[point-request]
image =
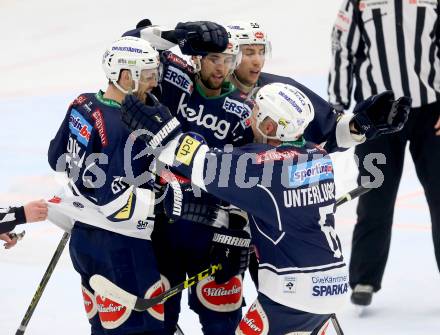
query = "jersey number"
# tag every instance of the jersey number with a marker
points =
(326, 215)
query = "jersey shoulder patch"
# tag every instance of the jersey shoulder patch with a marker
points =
(79, 126)
(238, 108)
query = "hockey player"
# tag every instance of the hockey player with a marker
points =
(338, 131)
(90, 146)
(302, 273)
(213, 110)
(210, 107)
(10, 217)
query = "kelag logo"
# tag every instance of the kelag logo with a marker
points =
(79, 127)
(310, 172)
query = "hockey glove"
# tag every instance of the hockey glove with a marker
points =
(381, 114)
(230, 248)
(159, 126)
(238, 219)
(199, 38)
(203, 209)
(143, 23)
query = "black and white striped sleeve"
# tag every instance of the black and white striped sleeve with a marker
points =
(345, 44)
(10, 217)
(437, 34)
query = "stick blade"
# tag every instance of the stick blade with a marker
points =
(108, 289)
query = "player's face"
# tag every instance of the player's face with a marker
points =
(214, 69)
(252, 62)
(147, 81)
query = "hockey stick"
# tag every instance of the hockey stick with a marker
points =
(357, 192)
(108, 289)
(336, 324)
(179, 331)
(38, 293)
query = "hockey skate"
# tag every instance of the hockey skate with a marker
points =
(361, 297)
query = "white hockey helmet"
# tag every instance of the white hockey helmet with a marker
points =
(248, 33)
(286, 105)
(132, 54)
(233, 48)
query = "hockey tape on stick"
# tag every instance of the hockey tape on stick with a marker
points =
(106, 288)
(39, 292)
(358, 191)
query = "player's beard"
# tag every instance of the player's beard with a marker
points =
(208, 83)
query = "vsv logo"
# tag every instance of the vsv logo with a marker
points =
(79, 127)
(219, 128)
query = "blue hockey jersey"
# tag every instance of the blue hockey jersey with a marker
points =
(96, 151)
(225, 119)
(289, 194)
(202, 113)
(219, 120)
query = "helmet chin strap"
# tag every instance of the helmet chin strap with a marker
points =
(196, 63)
(130, 90)
(241, 86)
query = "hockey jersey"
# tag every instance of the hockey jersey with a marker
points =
(225, 119)
(289, 194)
(219, 120)
(178, 78)
(109, 184)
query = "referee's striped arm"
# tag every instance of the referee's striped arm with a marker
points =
(397, 49)
(10, 217)
(345, 42)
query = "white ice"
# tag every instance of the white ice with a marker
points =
(51, 52)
